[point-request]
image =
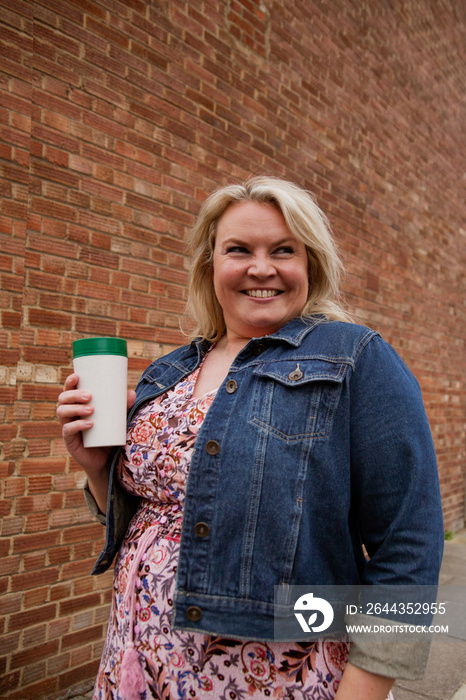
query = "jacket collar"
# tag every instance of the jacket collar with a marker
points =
(296, 330)
(292, 332)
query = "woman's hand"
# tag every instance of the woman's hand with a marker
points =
(75, 415)
(363, 685)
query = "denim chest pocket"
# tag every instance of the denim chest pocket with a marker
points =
(155, 376)
(296, 400)
(159, 378)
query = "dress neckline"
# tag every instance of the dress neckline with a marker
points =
(194, 375)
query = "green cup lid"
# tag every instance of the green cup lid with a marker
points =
(99, 346)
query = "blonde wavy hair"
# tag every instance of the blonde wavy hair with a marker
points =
(305, 221)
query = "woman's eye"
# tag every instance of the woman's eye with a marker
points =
(237, 249)
(284, 249)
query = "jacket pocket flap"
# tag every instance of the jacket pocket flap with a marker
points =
(160, 374)
(297, 372)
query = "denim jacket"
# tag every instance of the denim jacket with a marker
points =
(316, 443)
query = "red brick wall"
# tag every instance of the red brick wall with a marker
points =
(117, 118)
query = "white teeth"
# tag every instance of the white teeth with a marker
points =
(262, 293)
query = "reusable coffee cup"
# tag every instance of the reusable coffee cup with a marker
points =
(102, 366)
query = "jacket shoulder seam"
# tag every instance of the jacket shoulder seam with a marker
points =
(363, 343)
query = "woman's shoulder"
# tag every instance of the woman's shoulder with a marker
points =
(338, 339)
(363, 347)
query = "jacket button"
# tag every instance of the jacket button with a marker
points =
(201, 529)
(193, 613)
(258, 349)
(295, 374)
(231, 386)
(212, 447)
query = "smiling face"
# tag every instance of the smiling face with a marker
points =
(260, 270)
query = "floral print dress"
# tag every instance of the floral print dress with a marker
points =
(178, 664)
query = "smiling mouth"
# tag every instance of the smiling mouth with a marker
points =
(261, 293)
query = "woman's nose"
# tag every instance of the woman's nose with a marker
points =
(262, 266)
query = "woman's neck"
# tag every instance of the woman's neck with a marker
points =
(230, 345)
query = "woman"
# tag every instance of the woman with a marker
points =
(305, 438)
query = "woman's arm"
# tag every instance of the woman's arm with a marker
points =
(74, 413)
(395, 485)
(395, 499)
(360, 684)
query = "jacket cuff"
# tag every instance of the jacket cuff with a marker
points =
(92, 505)
(394, 657)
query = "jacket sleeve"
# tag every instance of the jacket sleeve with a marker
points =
(395, 496)
(121, 507)
(89, 499)
(91, 503)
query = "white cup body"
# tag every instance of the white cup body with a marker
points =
(106, 378)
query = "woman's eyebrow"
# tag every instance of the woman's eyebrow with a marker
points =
(234, 238)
